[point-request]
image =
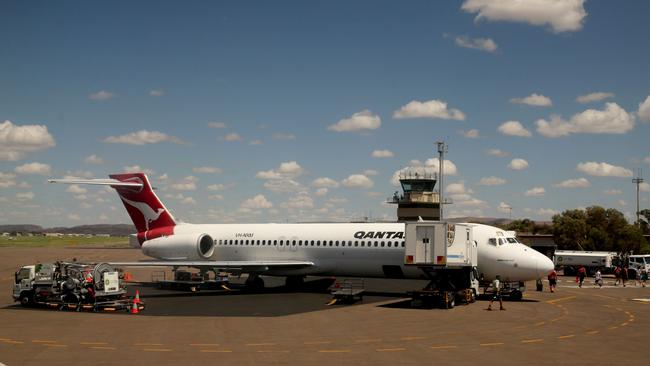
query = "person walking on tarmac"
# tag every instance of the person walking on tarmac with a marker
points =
(598, 278)
(617, 275)
(582, 273)
(496, 288)
(552, 280)
(624, 275)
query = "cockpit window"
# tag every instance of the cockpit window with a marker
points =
(501, 241)
(511, 240)
(492, 241)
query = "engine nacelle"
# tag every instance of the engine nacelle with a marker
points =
(180, 247)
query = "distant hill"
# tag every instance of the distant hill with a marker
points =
(114, 230)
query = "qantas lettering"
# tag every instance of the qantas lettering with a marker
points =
(379, 235)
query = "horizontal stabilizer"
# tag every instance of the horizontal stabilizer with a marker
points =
(100, 182)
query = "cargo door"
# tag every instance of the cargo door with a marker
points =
(424, 237)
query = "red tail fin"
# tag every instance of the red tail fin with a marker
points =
(142, 204)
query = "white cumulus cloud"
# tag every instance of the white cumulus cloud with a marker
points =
(535, 192)
(644, 110)
(358, 181)
(101, 95)
(612, 120)
(560, 15)
(359, 121)
(142, 137)
(593, 97)
(16, 141)
(497, 152)
(547, 212)
(470, 134)
(25, 196)
(206, 170)
(137, 169)
(300, 201)
(76, 189)
(94, 160)
(492, 181)
(284, 136)
(382, 154)
(574, 183)
(256, 202)
(483, 44)
(217, 125)
(429, 168)
(604, 170)
(7, 180)
(536, 100)
(34, 168)
(429, 109)
(325, 182)
(518, 164)
(156, 92)
(514, 128)
(232, 137)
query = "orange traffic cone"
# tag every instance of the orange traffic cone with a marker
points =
(137, 297)
(134, 308)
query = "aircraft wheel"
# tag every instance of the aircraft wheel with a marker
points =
(451, 300)
(516, 295)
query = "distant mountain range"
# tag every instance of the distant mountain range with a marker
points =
(114, 230)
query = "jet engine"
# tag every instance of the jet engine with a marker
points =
(180, 247)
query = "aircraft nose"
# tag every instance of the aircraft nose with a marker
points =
(544, 265)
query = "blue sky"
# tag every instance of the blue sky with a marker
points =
(302, 91)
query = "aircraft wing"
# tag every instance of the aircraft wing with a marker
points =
(243, 266)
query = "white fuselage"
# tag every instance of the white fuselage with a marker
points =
(360, 249)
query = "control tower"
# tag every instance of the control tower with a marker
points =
(419, 199)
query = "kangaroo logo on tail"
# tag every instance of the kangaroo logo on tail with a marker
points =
(147, 212)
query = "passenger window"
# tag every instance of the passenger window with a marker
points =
(275, 242)
(236, 242)
(258, 242)
(281, 242)
(312, 243)
(492, 241)
(389, 244)
(382, 244)
(403, 245)
(331, 243)
(300, 243)
(376, 244)
(363, 243)
(293, 243)
(318, 243)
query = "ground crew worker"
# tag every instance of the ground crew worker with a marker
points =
(552, 280)
(582, 273)
(644, 277)
(496, 288)
(598, 277)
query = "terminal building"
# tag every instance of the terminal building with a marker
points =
(419, 197)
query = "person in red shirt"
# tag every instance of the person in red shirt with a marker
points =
(582, 273)
(552, 280)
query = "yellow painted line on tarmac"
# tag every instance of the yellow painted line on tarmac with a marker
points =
(412, 338)
(272, 351)
(103, 348)
(399, 349)
(204, 344)
(566, 336)
(591, 332)
(148, 344)
(14, 342)
(42, 341)
(367, 340)
(157, 349)
(443, 347)
(216, 351)
(539, 323)
(560, 299)
(54, 345)
(317, 342)
(536, 340)
(260, 344)
(93, 343)
(492, 344)
(624, 324)
(612, 328)
(334, 350)
(5, 339)
(556, 319)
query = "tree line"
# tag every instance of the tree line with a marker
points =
(594, 228)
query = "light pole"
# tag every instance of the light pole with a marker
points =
(442, 149)
(638, 180)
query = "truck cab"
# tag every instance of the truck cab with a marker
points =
(23, 290)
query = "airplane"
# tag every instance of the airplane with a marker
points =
(298, 250)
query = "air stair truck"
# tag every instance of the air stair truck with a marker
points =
(447, 255)
(72, 286)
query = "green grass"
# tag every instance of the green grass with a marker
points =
(63, 241)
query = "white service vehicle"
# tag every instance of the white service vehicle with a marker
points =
(572, 260)
(639, 262)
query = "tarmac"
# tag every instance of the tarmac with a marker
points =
(574, 325)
